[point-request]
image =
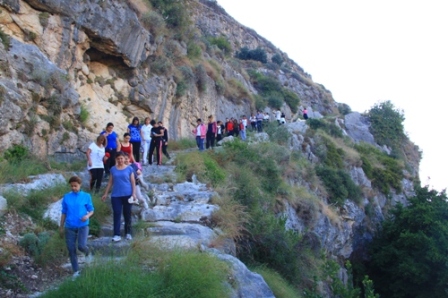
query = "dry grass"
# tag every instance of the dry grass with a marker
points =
(211, 71)
(331, 213)
(305, 203)
(351, 156)
(230, 218)
(236, 90)
(139, 6)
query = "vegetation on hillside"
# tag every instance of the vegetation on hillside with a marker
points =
(409, 256)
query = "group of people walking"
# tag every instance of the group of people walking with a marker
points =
(120, 161)
(212, 132)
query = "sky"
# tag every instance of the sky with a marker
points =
(367, 52)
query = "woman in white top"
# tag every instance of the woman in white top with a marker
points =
(95, 162)
(146, 139)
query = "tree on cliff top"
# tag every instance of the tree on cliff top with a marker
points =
(387, 124)
(409, 257)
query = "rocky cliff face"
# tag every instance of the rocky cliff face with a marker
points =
(63, 60)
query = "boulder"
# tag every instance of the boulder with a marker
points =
(357, 127)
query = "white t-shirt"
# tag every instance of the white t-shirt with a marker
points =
(244, 122)
(96, 156)
(278, 114)
(146, 132)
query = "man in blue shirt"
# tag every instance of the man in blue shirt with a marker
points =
(111, 146)
(77, 208)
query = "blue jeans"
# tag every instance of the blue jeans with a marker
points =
(71, 236)
(200, 143)
(243, 135)
(260, 125)
(121, 204)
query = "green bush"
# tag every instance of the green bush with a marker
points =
(277, 59)
(16, 153)
(84, 114)
(161, 65)
(257, 54)
(193, 50)
(384, 171)
(387, 124)
(200, 164)
(222, 43)
(339, 185)
(175, 13)
(34, 244)
(329, 128)
(154, 22)
(274, 100)
(268, 85)
(409, 255)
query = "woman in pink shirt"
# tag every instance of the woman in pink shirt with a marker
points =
(200, 131)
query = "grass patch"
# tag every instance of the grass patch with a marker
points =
(182, 144)
(171, 274)
(200, 164)
(279, 286)
(35, 202)
(21, 170)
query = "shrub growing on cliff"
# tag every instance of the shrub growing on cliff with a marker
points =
(409, 256)
(387, 124)
(384, 171)
(222, 43)
(174, 12)
(339, 185)
(257, 54)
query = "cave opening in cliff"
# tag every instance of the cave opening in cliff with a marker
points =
(112, 62)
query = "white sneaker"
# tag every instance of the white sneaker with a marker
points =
(89, 259)
(116, 238)
(76, 275)
(128, 237)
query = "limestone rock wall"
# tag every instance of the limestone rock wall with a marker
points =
(68, 59)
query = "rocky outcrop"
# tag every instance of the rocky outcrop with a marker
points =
(73, 67)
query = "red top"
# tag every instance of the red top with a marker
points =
(127, 150)
(229, 126)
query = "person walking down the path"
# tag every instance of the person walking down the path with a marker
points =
(212, 130)
(95, 162)
(236, 128)
(253, 122)
(305, 113)
(282, 118)
(77, 208)
(260, 118)
(127, 147)
(134, 129)
(229, 127)
(278, 116)
(220, 131)
(156, 143)
(242, 130)
(111, 146)
(200, 131)
(164, 140)
(122, 183)
(146, 139)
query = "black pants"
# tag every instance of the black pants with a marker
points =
(157, 145)
(136, 150)
(218, 137)
(111, 160)
(164, 150)
(209, 140)
(96, 177)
